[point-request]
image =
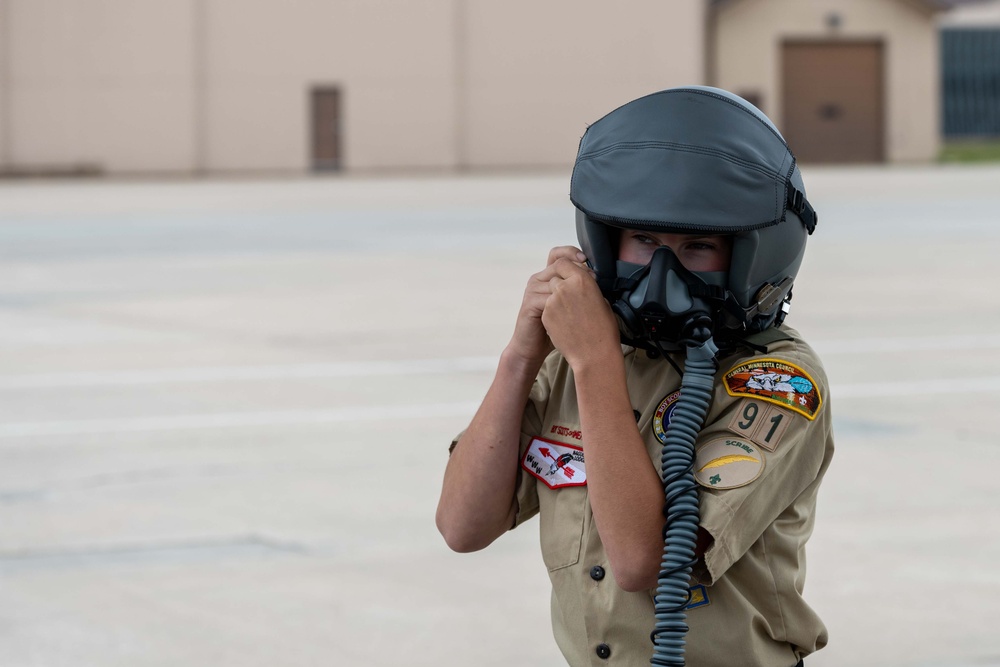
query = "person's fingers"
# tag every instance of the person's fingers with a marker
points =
(565, 268)
(569, 252)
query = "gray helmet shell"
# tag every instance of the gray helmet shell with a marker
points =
(696, 160)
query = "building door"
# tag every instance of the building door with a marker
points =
(833, 92)
(326, 131)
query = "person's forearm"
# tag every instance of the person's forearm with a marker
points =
(477, 500)
(626, 494)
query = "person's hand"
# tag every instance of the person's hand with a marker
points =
(530, 342)
(577, 319)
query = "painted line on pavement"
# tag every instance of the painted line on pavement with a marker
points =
(928, 388)
(422, 366)
(241, 373)
(937, 389)
(907, 344)
(236, 419)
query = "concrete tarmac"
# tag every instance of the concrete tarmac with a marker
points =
(226, 407)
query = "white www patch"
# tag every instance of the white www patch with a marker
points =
(556, 464)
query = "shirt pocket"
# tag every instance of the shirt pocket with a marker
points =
(563, 517)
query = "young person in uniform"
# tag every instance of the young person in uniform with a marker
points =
(692, 219)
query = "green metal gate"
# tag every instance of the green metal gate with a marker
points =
(970, 69)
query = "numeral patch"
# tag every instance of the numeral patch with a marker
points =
(762, 423)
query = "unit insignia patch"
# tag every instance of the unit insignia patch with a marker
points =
(699, 597)
(777, 382)
(556, 464)
(661, 418)
(727, 463)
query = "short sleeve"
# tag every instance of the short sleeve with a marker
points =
(531, 427)
(526, 493)
(793, 450)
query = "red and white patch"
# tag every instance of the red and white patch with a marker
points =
(556, 464)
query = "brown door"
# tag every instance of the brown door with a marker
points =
(326, 129)
(833, 101)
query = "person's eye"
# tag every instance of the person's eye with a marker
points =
(702, 246)
(645, 240)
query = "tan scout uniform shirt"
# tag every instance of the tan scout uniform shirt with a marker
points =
(750, 610)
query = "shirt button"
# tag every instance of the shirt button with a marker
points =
(603, 651)
(597, 573)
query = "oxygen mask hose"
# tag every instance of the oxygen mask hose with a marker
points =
(680, 533)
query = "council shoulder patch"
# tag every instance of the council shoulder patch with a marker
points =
(661, 418)
(727, 463)
(778, 382)
(556, 464)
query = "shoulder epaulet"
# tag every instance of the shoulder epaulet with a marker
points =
(767, 337)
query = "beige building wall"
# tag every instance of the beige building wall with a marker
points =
(140, 86)
(104, 83)
(982, 14)
(5, 129)
(534, 74)
(749, 34)
(393, 59)
(436, 83)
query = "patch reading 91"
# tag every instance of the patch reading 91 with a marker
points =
(727, 463)
(761, 422)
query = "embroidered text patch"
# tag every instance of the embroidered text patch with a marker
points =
(726, 463)
(778, 382)
(556, 464)
(661, 418)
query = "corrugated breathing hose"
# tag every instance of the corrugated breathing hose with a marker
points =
(680, 532)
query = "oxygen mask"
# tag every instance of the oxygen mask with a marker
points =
(663, 306)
